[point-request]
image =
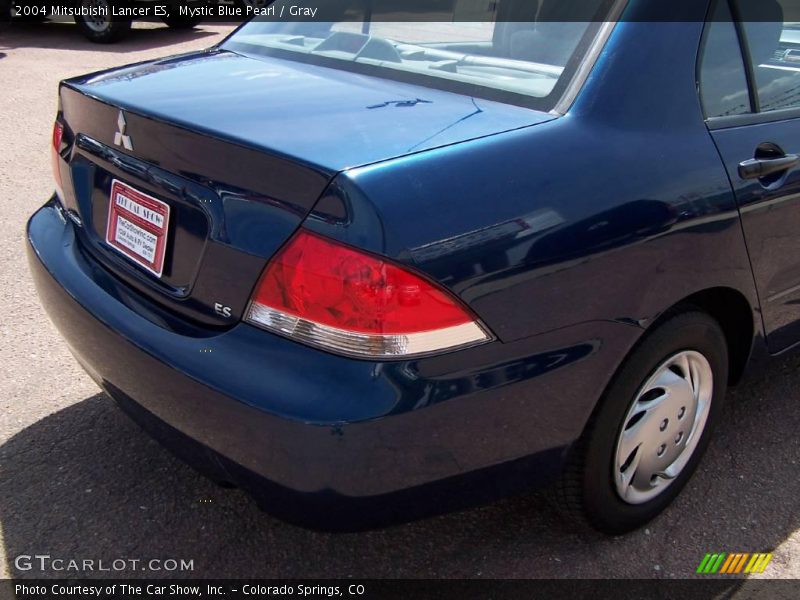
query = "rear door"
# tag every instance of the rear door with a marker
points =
(750, 88)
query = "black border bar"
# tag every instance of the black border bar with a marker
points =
(416, 10)
(354, 589)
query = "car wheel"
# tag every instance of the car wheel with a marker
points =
(181, 21)
(102, 28)
(651, 429)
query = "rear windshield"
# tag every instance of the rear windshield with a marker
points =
(475, 47)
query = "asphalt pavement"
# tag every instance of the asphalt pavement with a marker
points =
(78, 480)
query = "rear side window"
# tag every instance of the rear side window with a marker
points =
(723, 82)
(774, 48)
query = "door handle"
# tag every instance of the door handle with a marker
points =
(757, 168)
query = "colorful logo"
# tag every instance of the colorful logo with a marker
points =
(731, 564)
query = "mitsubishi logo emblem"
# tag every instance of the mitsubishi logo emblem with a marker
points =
(120, 139)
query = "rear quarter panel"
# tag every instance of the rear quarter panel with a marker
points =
(616, 211)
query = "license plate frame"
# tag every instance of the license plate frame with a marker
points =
(138, 226)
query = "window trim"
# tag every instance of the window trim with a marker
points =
(581, 74)
(771, 116)
(747, 57)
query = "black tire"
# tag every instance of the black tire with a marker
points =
(112, 30)
(177, 21)
(586, 493)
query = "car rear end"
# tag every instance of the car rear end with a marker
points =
(342, 387)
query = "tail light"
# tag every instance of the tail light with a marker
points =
(58, 135)
(324, 294)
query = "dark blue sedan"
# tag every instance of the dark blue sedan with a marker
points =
(371, 269)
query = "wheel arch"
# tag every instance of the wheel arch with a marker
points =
(735, 315)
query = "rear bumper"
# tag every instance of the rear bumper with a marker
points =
(321, 440)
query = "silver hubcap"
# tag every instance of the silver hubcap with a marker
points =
(97, 22)
(663, 427)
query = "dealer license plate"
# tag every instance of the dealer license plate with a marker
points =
(137, 226)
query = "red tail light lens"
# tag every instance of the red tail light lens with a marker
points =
(58, 135)
(329, 295)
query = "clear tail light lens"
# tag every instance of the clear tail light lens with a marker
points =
(328, 295)
(58, 135)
